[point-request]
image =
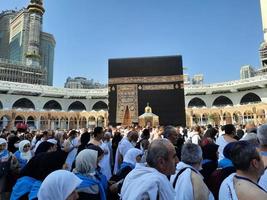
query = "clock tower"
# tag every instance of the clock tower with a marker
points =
(263, 47)
(36, 11)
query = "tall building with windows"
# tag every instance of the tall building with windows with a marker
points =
(82, 83)
(247, 71)
(47, 55)
(22, 41)
(5, 18)
(198, 79)
(263, 47)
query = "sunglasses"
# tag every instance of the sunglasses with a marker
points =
(26, 146)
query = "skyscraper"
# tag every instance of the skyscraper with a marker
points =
(22, 41)
(263, 47)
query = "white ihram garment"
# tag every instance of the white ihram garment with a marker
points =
(146, 183)
(105, 162)
(184, 185)
(123, 147)
(227, 189)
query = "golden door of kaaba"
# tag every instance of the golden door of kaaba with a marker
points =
(135, 81)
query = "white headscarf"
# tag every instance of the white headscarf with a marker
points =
(130, 156)
(58, 185)
(86, 162)
(2, 141)
(25, 155)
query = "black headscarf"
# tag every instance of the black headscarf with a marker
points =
(227, 150)
(43, 147)
(211, 133)
(100, 151)
(11, 141)
(210, 151)
(43, 164)
(85, 138)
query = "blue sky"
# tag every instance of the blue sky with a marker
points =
(214, 37)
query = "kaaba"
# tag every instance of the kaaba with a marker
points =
(135, 82)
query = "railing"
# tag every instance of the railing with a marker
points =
(49, 90)
(18, 63)
(255, 79)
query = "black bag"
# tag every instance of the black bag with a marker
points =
(5, 167)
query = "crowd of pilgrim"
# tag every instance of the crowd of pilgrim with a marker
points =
(133, 163)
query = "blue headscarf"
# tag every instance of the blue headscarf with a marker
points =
(25, 185)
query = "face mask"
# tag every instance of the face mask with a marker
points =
(16, 145)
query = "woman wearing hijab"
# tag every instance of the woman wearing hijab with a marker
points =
(71, 146)
(4, 163)
(132, 157)
(44, 147)
(99, 175)
(85, 168)
(13, 143)
(210, 160)
(105, 161)
(35, 172)
(85, 138)
(7, 162)
(59, 185)
(24, 153)
(226, 168)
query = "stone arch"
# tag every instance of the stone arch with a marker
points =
(19, 119)
(100, 105)
(237, 117)
(54, 122)
(43, 122)
(196, 119)
(52, 105)
(227, 118)
(5, 122)
(215, 118)
(23, 103)
(63, 122)
(83, 122)
(261, 116)
(31, 121)
(100, 121)
(196, 102)
(76, 106)
(73, 123)
(205, 118)
(222, 101)
(248, 116)
(250, 98)
(188, 120)
(91, 121)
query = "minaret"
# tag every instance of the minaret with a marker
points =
(263, 47)
(264, 18)
(36, 11)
